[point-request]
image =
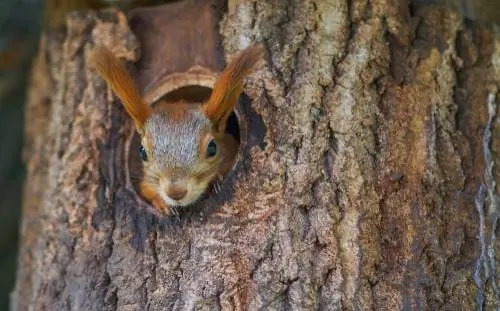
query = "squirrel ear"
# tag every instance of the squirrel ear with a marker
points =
(118, 79)
(229, 85)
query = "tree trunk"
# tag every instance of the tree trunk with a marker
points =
(365, 180)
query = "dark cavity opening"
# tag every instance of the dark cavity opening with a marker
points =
(190, 94)
(233, 127)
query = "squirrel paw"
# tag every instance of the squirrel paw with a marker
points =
(167, 210)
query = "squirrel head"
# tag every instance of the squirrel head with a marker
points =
(182, 154)
(184, 147)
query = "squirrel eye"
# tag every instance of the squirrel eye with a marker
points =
(211, 149)
(144, 155)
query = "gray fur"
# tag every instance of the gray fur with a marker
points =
(175, 146)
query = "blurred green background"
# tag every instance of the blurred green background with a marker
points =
(21, 22)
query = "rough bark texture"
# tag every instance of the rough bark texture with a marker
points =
(371, 146)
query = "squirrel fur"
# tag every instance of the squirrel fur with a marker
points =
(185, 147)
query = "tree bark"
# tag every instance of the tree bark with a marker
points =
(366, 177)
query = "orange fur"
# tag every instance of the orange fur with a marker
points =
(148, 192)
(116, 76)
(176, 112)
(229, 86)
(228, 153)
(151, 195)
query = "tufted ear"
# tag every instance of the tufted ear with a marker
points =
(118, 79)
(229, 86)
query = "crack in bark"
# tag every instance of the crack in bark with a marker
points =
(488, 215)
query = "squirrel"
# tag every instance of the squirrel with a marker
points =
(184, 146)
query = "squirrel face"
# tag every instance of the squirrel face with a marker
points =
(185, 147)
(181, 154)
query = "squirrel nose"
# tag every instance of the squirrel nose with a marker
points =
(176, 193)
